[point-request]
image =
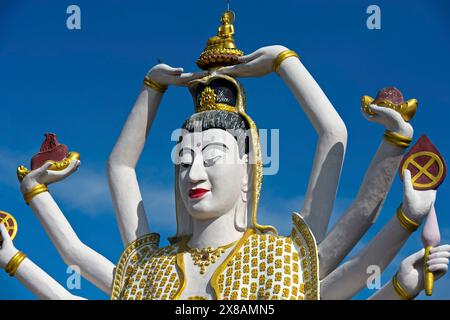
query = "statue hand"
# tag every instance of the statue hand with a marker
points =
(410, 274)
(7, 249)
(166, 75)
(416, 203)
(390, 119)
(43, 176)
(256, 64)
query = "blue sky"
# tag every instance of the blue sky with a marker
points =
(81, 85)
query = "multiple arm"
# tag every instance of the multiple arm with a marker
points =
(364, 210)
(409, 277)
(349, 278)
(93, 266)
(124, 187)
(30, 275)
(329, 126)
(332, 141)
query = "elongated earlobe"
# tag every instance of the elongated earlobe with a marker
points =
(244, 185)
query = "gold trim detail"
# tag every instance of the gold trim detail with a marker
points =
(401, 292)
(215, 277)
(406, 222)
(182, 248)
(196, 298)
(283, 56)
(119, 272)
(204, 257)
(38, 189)
(397, 139)
(406, 109)
(423, 170)
(208, 102)
(14, 263)
(155, 85)
(14, 226)
(312, 285)
(22, 171)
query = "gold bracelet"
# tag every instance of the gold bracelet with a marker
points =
(155, 85)
(402, 293)
(40, 188)
(406, 222)
(397, 139)
(14, 263)
(283, 56)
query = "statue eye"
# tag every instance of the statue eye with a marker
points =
(210, 162)
(185, 164)
(185, 160)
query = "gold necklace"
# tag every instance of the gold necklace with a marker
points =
(203, 258)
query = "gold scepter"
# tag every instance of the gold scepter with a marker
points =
(430, 238)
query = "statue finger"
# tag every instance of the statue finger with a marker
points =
(40, 171)
(174, 71)
(4, 233)
(193, 75)
(442, 248)
(439, 254)
(408, 188)
(439, 268)
(436, 261)
(410, 260)
(250, 57)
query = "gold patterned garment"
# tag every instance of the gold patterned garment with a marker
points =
(259, 267)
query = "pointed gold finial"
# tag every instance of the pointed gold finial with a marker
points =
(221, 50)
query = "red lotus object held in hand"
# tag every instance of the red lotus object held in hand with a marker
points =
(50, 150)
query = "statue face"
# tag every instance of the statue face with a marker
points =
(212, 175)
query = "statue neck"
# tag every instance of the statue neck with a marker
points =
(214, 232)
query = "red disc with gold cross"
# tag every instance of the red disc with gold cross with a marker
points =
(10, 223)
(426, 165)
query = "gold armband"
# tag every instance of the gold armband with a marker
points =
(402, 293)
(406, 222)
(283, 56)
(14, 263)
(155, 85)
(397, 139)
(34, 192)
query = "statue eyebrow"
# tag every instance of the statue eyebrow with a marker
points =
(215, 144)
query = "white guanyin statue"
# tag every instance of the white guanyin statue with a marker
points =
(220, 251)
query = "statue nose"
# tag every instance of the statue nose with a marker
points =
(197, 171)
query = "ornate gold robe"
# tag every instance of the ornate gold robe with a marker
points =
(260, 266)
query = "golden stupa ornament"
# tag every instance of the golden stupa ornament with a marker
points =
(221, 50)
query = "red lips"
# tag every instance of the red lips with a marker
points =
(197, 193)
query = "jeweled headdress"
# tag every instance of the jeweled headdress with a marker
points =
(225, 93)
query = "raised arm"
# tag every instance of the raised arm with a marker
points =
(123, 183)
(93, 266)
(29, 274)
(329, 126)
(364, 210)
(351, 277)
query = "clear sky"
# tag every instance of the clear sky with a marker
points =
(81, 85)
